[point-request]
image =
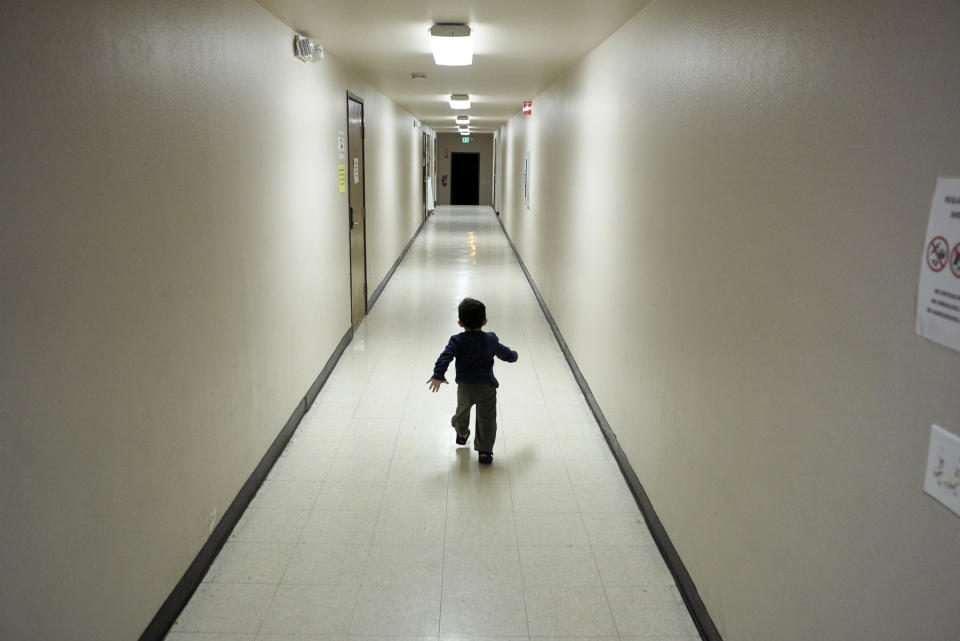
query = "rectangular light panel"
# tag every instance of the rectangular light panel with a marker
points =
(459, 101)
(452, 45)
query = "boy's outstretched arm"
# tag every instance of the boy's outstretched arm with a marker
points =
(435, 384)
(440, 368)
(504, 353)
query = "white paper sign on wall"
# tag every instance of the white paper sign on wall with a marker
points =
(526, 180)
(341, 145)
(938, 295)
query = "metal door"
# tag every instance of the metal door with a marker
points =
(358, 214)
(423, 164)
(493, 197)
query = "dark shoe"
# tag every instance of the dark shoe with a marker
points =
(485, 458)
(462, 440)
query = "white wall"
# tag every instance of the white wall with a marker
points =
(727, 221)
(173, 277)
(394, 182)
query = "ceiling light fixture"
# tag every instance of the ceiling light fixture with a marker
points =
(452, 44)
(459, 101)
(463, 120)
(464, 130)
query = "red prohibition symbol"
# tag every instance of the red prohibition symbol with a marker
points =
(955, 260)
(937, 253)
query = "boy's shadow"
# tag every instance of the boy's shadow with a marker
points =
(465, 459)
(464, 456)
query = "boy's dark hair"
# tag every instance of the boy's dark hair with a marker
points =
(472, 313)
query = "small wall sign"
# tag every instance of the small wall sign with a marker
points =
(938, 294)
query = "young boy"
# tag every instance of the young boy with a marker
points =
(474, 350)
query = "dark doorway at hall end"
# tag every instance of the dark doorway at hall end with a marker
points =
(465, 169)
(465, 178)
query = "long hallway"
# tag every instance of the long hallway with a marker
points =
(374, 523)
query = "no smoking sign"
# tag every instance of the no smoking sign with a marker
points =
(939, 255)
(937, 252)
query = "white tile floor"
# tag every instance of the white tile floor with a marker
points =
(375, 524)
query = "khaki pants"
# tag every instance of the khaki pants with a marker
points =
(484, 396)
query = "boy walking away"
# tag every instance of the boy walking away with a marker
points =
(474, 350)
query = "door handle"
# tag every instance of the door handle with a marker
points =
(352, 223)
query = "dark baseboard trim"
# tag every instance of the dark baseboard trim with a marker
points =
(371, 301)
(698, 611)
(180, 596)
(328, 368)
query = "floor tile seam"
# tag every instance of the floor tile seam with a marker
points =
(573, 491)
(305, 521)
(351, 635)
(206, 582)
(516, 534)
(332, 456)
(356, 405)
(542, 585)
(300, 536)
(606, 595)
(393, 450)
(326, 482)
(443, 551)
(326, 584)
(356, 603)
(266, 611)
(369, 374)
(363, 573)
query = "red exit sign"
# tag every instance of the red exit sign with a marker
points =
(527, 107)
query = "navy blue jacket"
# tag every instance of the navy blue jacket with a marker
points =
(474, 352)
